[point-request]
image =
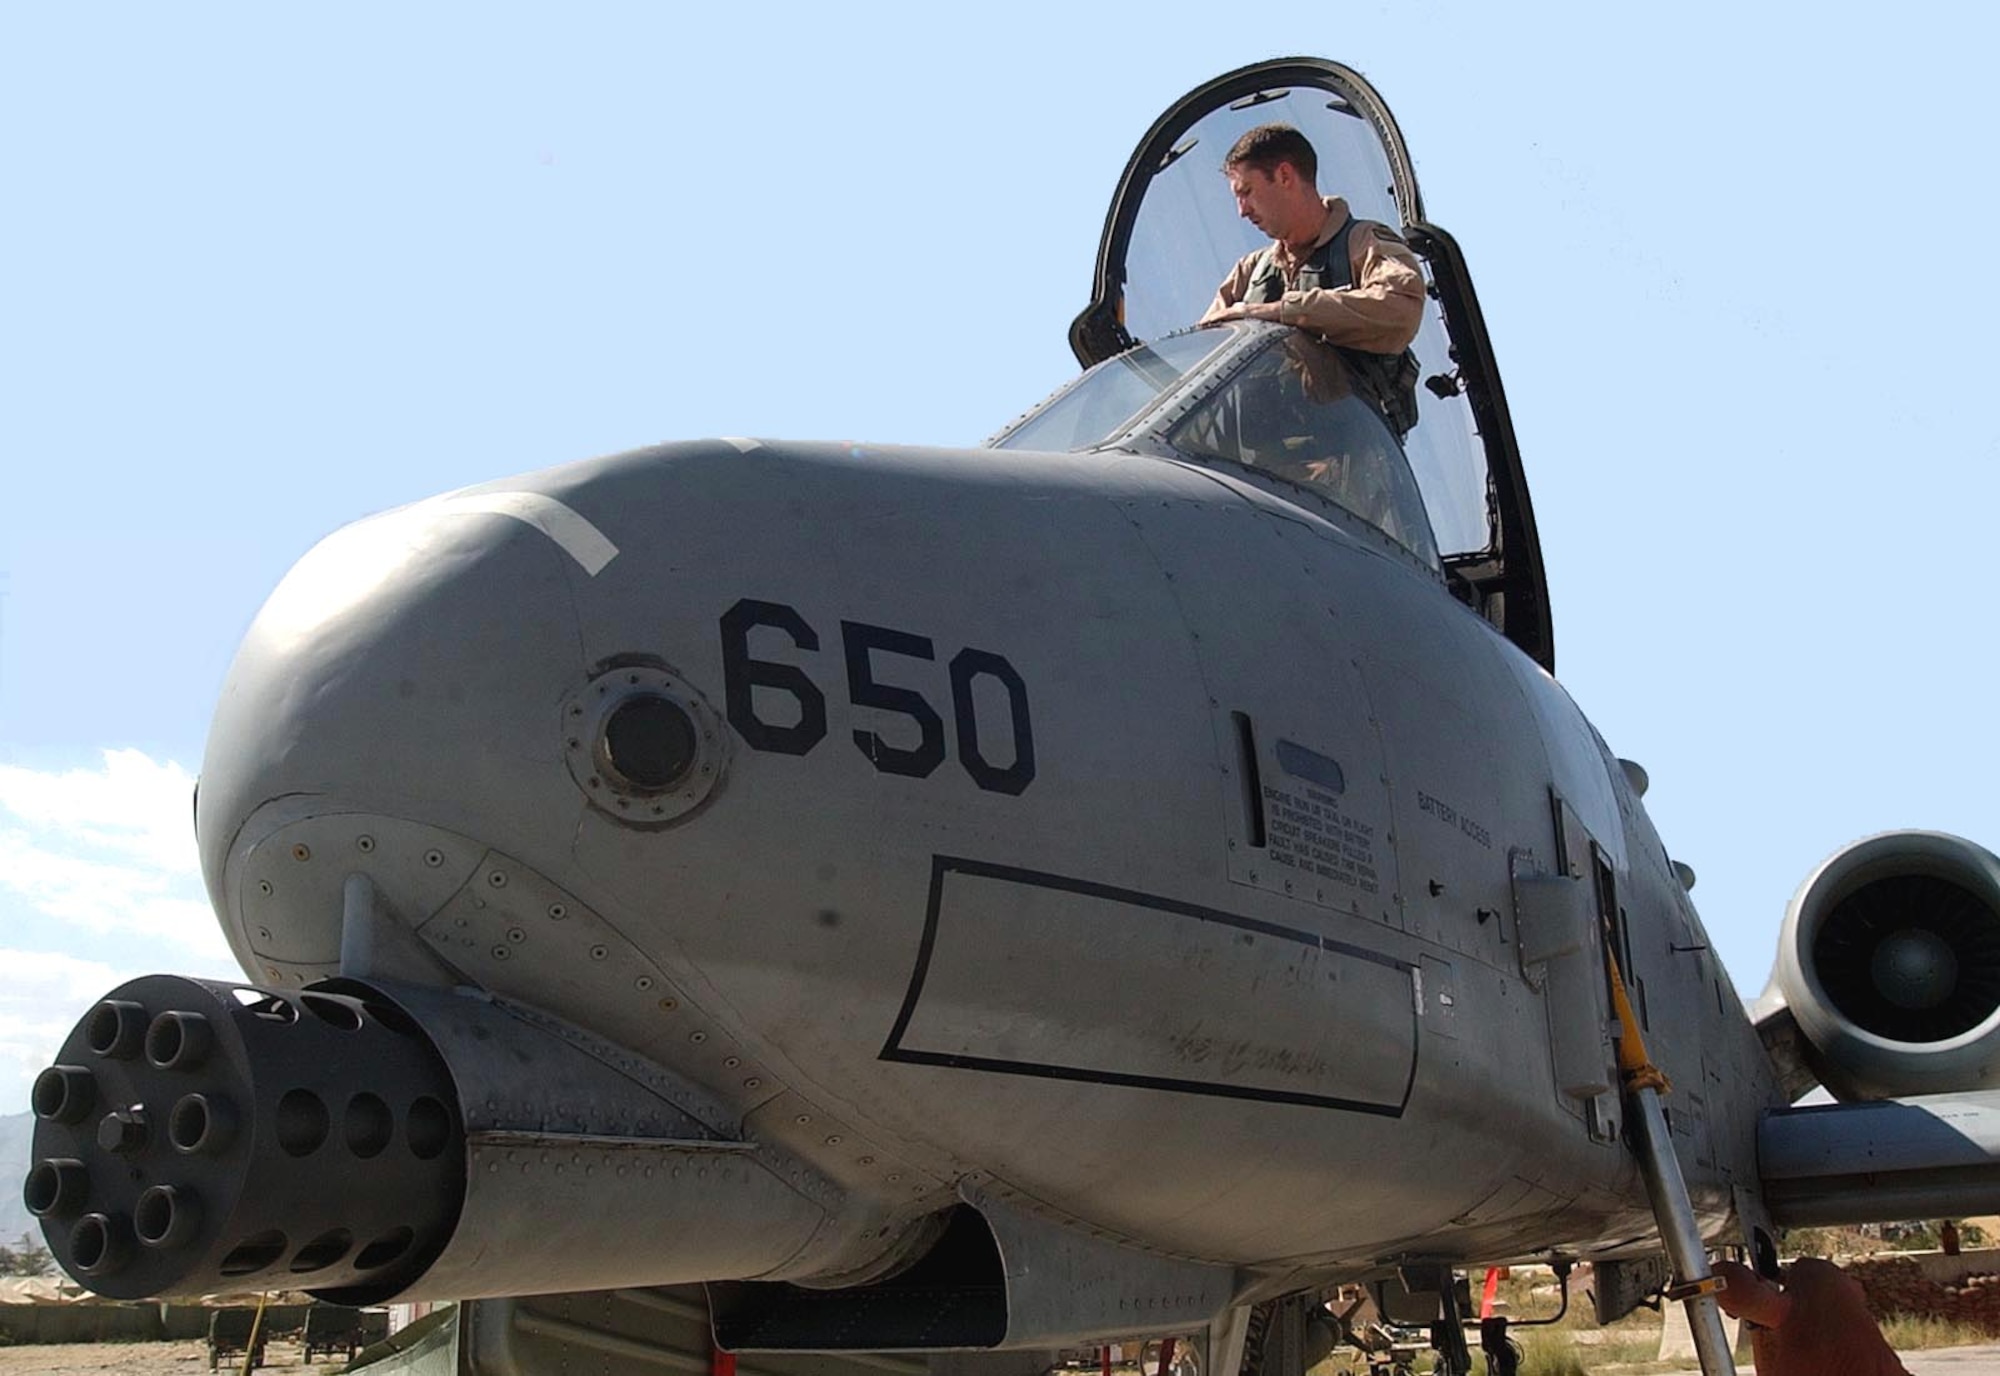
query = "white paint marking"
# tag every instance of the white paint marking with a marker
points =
(581, 540)
(741, 445)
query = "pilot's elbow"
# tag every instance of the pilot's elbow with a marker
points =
(1405, 320)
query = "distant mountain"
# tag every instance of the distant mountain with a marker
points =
(17, 1132)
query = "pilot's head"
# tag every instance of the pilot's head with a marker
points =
(1273, 172)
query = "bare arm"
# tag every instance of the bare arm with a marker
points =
(1750, 1297)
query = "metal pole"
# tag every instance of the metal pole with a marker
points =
(256, 1331)
(1681, 1233)
(1694, 1284)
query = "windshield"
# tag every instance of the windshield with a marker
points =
(1292, 412)
(1098, 404)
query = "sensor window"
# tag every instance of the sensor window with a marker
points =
(649, 743)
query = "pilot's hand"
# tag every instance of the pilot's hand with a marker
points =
(1242, 310)
(1748, 1296)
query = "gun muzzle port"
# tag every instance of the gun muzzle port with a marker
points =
(99, 1244)
(201, 1123)
(166, 1217)
(429, 1129)
(64, 1094)
(254, 1254)
(303, 1123)
(56, 1189)
(323, 1251)
(334, 1011)
(178, 1041)
(384, 1250)
(368, 1126)
(116, 1029)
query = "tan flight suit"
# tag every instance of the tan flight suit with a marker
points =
(1378, 314)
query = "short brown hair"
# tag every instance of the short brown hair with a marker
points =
(1270, 144)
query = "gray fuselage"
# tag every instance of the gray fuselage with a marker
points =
(1140, 842)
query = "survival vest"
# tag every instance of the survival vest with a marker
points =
(1388, 381)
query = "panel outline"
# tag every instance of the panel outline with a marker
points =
(942, 865)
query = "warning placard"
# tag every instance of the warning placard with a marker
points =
(1307, 832)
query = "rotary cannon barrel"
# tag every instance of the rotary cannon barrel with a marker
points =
(367, 1139)
(196, 1136)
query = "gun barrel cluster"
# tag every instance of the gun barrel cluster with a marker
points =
(197, 1136)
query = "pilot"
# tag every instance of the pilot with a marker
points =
(1816, 1324)
(1354, 283)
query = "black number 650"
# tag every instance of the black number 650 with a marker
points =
(861, 643)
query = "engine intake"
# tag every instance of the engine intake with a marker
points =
(1890, 965)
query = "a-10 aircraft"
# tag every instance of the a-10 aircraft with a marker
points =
(783, 898)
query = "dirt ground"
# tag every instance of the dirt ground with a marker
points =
(190, 1358)
(143, 1359)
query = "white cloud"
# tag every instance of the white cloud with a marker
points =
(107, 895)
(41, 999)
(93, 860)
(133, 807)
(109, 850)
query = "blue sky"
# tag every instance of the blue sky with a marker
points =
(267, 269)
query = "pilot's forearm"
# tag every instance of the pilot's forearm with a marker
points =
(1353, 319)
(1260, 310)
(1381, 318)
(1379, 313)
(1229, 293)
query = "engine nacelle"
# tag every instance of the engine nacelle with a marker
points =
(1890, 964)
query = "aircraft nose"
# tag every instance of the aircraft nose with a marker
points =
(413, 664)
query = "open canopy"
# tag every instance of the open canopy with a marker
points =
(1173, 234)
